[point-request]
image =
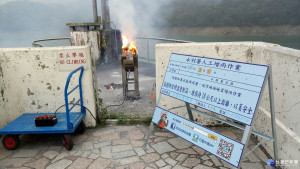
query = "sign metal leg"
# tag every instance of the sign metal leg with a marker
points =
(149, 133)
(151, 125)
(245, 140)
(188, 107)
(272, 108)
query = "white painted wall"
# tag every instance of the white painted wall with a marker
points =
(31, 82)
(92, 38)
(286, 81)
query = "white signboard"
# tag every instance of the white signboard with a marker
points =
(228, 88)
(69, 60)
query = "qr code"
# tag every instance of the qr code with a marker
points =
(225, 149)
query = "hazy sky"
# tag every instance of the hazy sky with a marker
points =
(20, 28)
(31, 22)
(137, 17)
(44, 1)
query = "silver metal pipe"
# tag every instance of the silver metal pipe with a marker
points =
(233, 124)
(37, 43)
(105, 14)
(252, 150)
(41, 40)
(148, 50)
(163, 39)
(95, 12)
(272, 108)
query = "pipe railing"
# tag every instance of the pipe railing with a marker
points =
(162, 39)
(153, 39)
(147, 53)
(37, 43)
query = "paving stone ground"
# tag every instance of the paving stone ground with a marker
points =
(117, 147)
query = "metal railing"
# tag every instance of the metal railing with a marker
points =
(146, 45)
(162, 39)
(37, 43)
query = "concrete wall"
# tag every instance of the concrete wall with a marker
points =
(92, 38)
(286, 81)
(31, 82)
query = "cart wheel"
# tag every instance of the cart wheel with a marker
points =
(81, 128)
(68, 143)
(11, 142)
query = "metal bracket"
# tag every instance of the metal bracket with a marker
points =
(151, 125)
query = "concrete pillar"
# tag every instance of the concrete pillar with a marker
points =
(83, 34)
(86, 34)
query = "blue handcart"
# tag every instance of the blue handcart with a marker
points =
(66, 124)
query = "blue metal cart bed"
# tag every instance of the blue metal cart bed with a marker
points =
(67, 122)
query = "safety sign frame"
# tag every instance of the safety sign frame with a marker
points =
(192, 70)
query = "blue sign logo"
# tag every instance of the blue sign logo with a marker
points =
(271, 163)
(173, 125)
(195, 137)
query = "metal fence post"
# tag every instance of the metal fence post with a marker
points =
(148, 50)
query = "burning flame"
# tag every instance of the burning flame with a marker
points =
(133, 48)
(124, 41)
(111, 88)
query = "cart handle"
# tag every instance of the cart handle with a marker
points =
(69, 125)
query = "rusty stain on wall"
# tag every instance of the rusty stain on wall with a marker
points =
(73, 101)
(98, 40)
(2, 94)
(29, 92)
(49, 86)
(91, 38)
(72, 41)
(82, 42)
(78, 39)
(44, 66)
(1, 72)
(88, 39)
(217, 48)
(249, 55)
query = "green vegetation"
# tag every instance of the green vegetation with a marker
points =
(103, 111)
(147, 120)
(130, 119)
(113, 116)
(216, 13)
(134, 119)
(121, 117)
